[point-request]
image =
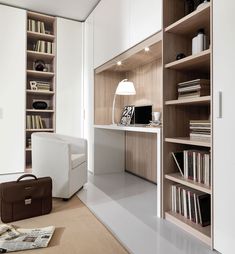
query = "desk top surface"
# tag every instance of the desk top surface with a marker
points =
(130, 128)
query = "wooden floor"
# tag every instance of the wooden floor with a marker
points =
(77, 231)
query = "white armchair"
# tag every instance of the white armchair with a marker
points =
(63, 158)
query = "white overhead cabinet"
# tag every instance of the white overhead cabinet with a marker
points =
(111, 29)
(69, 78)
(12, 87)
(224, 122)
(145, 19)
(121, 24)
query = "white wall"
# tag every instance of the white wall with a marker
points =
(12, 87)
(224, 138)
(89, 88)
(69, 78)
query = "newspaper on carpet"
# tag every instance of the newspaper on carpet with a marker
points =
(16, 239)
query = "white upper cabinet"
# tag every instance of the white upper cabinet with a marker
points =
(121, 24)
(111, 29)
(69, 78)
(145, 19)
(12, 89)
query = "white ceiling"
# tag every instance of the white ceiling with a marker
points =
(73, 9)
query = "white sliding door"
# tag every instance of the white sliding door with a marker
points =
(69, 78)
(12, 89)
(224, 125)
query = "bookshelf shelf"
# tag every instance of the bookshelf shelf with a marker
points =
(204, 100)
(28, 149)
(40, 74)
(40, 36)
(37, 130)
(38, 92)
(176, 177)
(190, 23)
(34, 55)
(202, 233)
(197, 62)
(40, 111)
(188, 141)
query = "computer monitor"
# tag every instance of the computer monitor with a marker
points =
(142, 114)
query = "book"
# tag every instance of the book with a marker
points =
(179, 160)
(192, 204)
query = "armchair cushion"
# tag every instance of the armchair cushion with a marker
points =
(77, 159)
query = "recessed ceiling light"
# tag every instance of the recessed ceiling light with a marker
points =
(119, 63)
(146, 49)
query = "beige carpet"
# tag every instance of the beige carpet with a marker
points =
(77, 231)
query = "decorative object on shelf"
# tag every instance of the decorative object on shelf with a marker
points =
(39, 65)
(39, 105)
(197, 3)
(199, 42)
(39, 85)
(124, 87)
(188, 6)
(127, 115)
(180, 56)
(202, 4)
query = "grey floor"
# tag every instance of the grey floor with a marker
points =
(127, 205)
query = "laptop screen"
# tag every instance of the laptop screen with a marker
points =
(142, 114)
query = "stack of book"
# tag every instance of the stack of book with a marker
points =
(193, 88)
(34, 122)
(194, 165)
(200, 129)
(39, 85)
(36, 26)
(44, 47)
(192, 204)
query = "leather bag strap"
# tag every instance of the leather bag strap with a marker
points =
(26, 175)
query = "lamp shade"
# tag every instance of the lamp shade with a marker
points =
(125, 87)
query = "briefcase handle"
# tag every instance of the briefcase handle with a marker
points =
(26, 175)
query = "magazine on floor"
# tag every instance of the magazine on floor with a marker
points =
(16, 239)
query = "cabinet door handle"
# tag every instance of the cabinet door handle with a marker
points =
(219, 105)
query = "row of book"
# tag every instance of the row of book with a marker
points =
(194, 165)
(39, 85)
(193, 88)
(35, 122)
(44, 47)
(36, 26)
(200, 129)
(192, 204)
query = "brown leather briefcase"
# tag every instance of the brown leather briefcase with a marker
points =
(25, 199)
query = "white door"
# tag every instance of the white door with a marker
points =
(89, 88)
(224, 125)
(12, 89)
(69, 78)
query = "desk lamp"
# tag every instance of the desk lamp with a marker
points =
(124, 87)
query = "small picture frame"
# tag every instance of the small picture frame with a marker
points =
(127, 115)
